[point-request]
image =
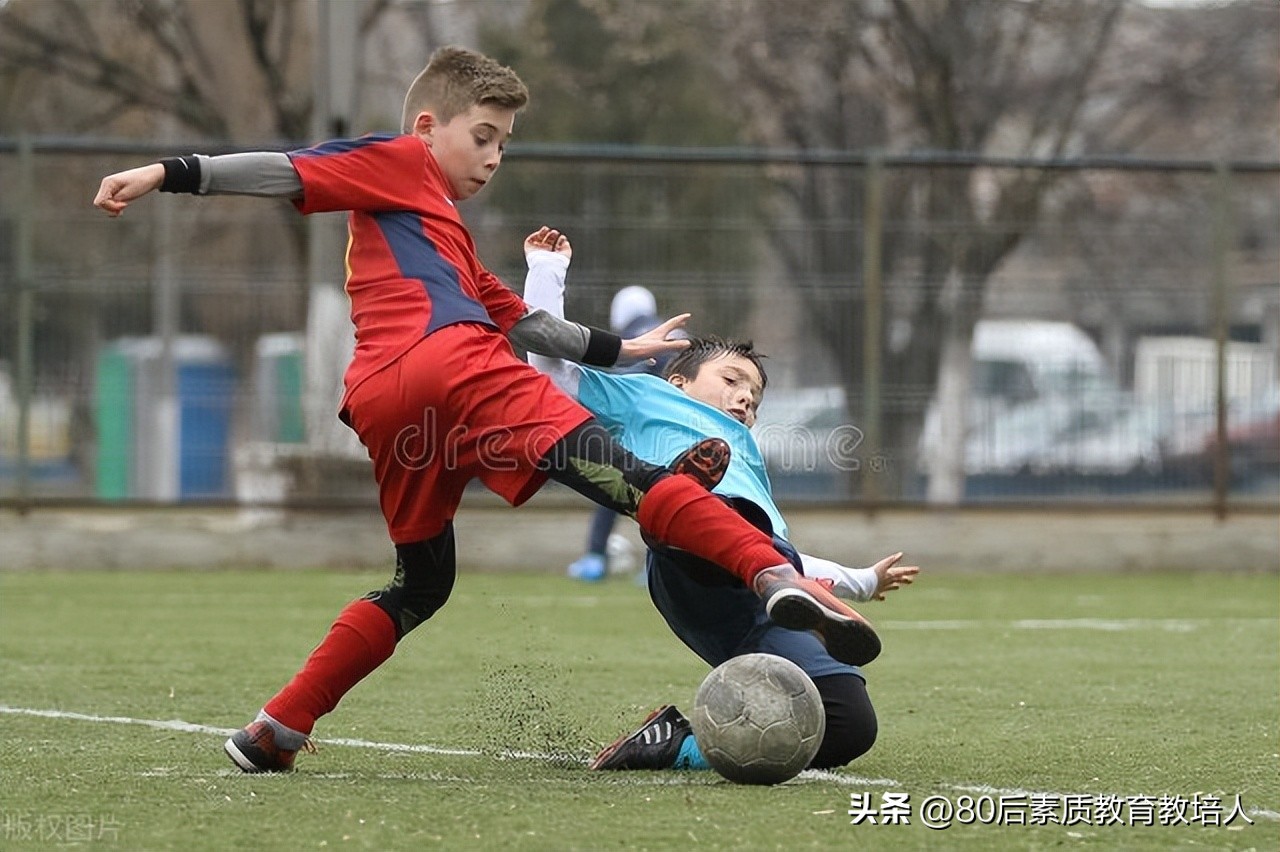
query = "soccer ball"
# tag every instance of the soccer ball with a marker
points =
(758, 719)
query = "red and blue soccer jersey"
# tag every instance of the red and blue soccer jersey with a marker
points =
(434, 410)
(411, 263)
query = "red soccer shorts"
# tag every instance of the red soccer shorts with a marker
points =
(457, 406)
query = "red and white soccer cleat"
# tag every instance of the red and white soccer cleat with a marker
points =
(799, 603)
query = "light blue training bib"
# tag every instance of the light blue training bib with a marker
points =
(657, 421)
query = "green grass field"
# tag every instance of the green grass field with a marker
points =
(475, 733)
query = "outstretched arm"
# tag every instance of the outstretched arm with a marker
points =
(263, 173)
(861, 584)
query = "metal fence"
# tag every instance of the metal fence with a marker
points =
(1123, 329)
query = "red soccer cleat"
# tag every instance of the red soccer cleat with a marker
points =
(796, 602)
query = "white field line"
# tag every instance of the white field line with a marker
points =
(818, 775)
(189, 728)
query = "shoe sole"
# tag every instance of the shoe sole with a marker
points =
(706, 462)
(238, 757)
(613, 747)
(849, 640)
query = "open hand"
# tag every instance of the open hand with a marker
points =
(652, 344)
(891, 575)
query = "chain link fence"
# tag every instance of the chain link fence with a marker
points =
(939, 328)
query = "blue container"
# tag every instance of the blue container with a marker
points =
(206, 400)
(156, 448)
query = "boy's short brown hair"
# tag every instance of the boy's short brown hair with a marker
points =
(688, 362)
(457, 79)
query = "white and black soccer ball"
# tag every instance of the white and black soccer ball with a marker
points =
(758, 719)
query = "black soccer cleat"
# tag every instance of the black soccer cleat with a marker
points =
(654, 745)
(706, 461)
(253, 748)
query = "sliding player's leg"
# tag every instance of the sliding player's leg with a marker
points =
(718, 618)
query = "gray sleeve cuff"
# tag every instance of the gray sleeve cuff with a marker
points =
(269, 174)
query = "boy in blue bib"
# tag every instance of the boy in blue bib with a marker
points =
(711, 390)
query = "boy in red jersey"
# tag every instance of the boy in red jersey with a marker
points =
(436, 393)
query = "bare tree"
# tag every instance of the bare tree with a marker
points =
(982, 76)
(217, 72)
(227, 71)
(179, 59)
(1201, 80)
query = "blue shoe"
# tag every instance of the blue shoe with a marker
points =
(590, 567)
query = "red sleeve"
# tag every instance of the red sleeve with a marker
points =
(376, 172)
(503, 305)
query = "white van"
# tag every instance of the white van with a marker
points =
(1043, 401)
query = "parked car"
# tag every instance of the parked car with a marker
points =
(1253, 439)
(1042, 404)
(1042, 401)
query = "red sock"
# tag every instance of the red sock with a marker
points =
(360, 640)
(680, 512)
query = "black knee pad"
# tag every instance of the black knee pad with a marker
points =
(425, 573)
(851, 720)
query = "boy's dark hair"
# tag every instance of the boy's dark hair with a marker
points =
(457, 79)
(704, 349)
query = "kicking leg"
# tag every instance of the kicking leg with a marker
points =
(676, 510)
